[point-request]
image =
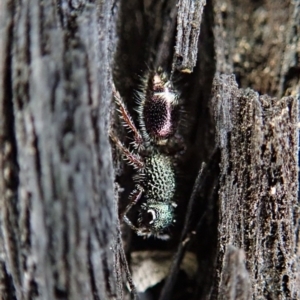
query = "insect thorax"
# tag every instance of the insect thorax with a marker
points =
(159, 180)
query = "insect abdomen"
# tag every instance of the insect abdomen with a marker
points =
(158, 109)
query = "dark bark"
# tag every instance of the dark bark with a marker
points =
(258, 189)
(60, 235)
(58, 215)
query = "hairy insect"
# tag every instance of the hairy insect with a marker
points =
(155, 182)
(158, 109)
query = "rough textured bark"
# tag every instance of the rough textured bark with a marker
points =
(258, 188)
(58, 215)
(238, 77)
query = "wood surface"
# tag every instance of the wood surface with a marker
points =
(236, 67)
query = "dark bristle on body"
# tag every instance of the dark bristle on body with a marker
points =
(159, 110)
(158, 119)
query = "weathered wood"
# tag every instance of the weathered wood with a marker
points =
(189, 17)
(258, 189)
(58, 217)
(235, 282)
(258, 137)
(59, 231)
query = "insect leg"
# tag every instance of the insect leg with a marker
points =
(128, 122)
(134, 198)
(133, 159)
